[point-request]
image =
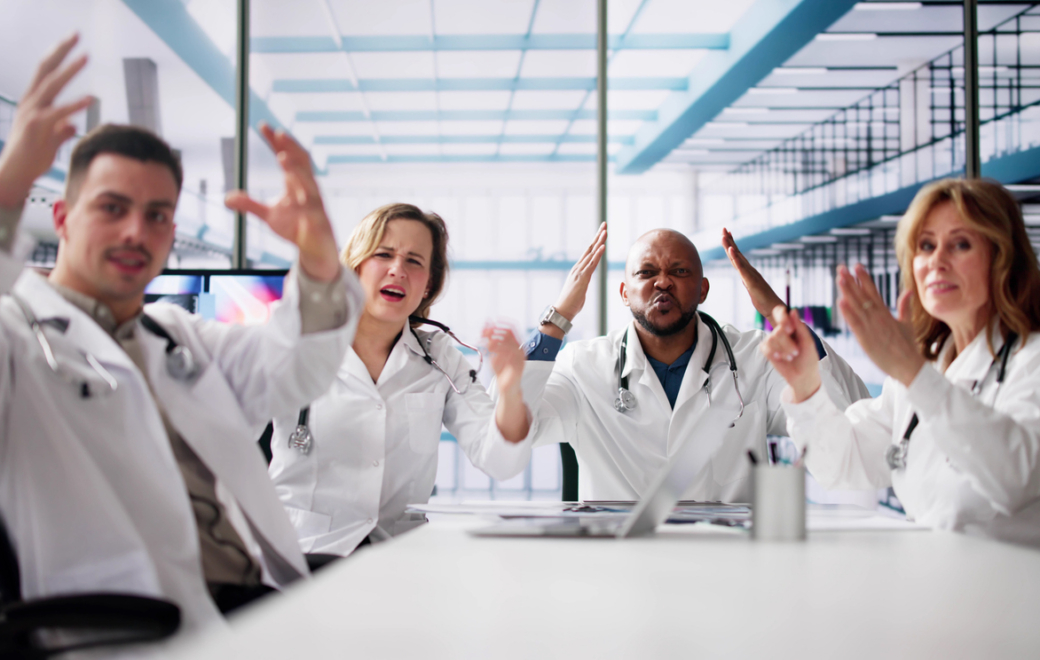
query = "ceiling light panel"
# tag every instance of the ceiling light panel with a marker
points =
(559, 63)
(535, 127)
(528, 149)
(274, 18)
(473, 100)
(469, 149)
(471, 127)
(678, 16)
(291, 66)
(365, 18)
(884, 51)
(482, 17)
(614, 127)
(630, 100)
(565, 17)
(477, 64)
(407, 127)
(401, 101)
(409, 64)
(412, 149)
(659, 63)
(321, 100)
(564, 100)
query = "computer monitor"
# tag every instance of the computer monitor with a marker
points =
(230, 296)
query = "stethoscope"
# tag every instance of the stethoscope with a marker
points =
(626, 401)
(180, 363)
(895, 455)
(301, 438)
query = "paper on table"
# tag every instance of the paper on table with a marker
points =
(846, 519)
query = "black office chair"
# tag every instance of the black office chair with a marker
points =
(570, 473)
(108, 619)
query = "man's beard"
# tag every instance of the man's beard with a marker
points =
(667, 331)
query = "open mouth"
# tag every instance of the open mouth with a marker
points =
(128, 262)
(392, 293)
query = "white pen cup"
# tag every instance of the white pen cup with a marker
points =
(778, 503)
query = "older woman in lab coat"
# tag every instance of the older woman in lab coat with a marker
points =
(375, 434)
(956, 430)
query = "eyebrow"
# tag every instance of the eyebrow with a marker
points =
(387, 247)
(158, 203)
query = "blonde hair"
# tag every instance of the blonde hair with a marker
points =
(365, 239)
(1014, 277)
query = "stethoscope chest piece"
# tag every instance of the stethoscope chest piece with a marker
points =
(625, 400)
(181, 365)
(895, 455)
(301, 439)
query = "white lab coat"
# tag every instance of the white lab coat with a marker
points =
(619, 454)
(375, 445)
(89, 488)
(972, 463)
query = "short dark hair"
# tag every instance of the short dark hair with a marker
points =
(130, 141)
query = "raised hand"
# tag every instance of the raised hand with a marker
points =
(505, 356)
(507, 361)
(572, 297)
(791, 350)
(299, 216)
(887, 340)
(40, 127)
(762, 295)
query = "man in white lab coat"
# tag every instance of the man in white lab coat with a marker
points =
(128, 460)
(675, 371)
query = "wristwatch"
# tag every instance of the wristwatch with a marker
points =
(550, 315)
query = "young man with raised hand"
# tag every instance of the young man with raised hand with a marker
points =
(128, 460)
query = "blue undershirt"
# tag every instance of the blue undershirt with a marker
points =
(542, 347)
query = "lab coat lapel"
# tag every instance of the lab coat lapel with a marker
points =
(637, 366)
(82, 332)
(694, 378)
(210, 420)
(976, 360)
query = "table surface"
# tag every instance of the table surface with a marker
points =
(688, 591)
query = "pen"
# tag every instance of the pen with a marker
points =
(751, 457)
(773, 459)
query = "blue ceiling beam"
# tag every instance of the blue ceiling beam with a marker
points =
(1011, 169)
(465, 139)
(468, 115)
(769, 33)
(289, 85)
(171, 22)
(322, 44)
(343, 159)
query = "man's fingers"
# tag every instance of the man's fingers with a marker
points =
(62, 112)
(52, 60)
(56, 81)
(238, 200)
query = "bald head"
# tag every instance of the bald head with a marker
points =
(664, 282)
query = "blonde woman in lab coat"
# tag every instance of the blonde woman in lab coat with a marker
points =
(956, 430)
(373, 437)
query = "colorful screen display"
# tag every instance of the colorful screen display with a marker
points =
(244, 299)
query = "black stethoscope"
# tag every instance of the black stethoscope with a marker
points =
(626, 401)
(895, 455)
(302, 439)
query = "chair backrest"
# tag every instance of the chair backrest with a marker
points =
(569, 461)
(10, 579)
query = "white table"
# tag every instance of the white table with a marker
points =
(688, 592)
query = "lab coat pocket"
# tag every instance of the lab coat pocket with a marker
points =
(309, 525)
(425, 411)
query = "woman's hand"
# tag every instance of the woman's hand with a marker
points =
(887, 340)
(791, 350)
(40, 127)
(576, 286)
(762, 295)
(507, 361)
(299, 216)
